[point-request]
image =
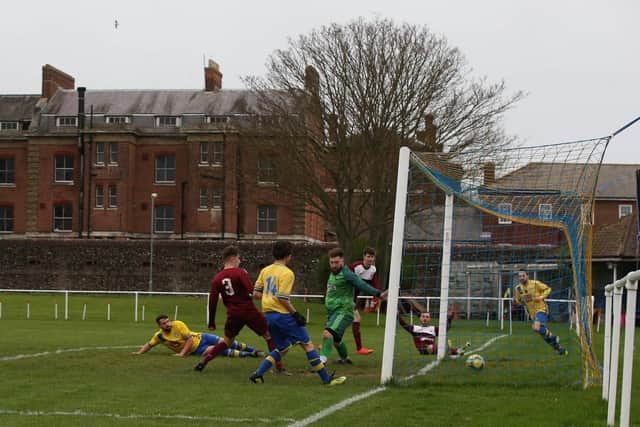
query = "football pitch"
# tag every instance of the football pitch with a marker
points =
(80, 372)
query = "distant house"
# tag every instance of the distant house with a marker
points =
(185, 163)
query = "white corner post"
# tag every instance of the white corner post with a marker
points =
(396, 265)
(615, 353)
(629, 335)
(444, 275)
(608, 305)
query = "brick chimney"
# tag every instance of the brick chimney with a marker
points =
(212, 77)
(489, 173)
(428, 135)
(312, 81)
(53, 79)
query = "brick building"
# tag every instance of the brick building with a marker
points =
(195, 156)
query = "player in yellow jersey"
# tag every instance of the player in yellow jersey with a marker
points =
(533, 294)
(177, 337)
(286, 325)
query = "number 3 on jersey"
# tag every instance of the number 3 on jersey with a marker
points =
(228, 286)
(272, 289)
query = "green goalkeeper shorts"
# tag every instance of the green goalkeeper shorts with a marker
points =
(338, 323)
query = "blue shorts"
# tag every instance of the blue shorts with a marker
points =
(207, 340)
(541, 317)
(284, 330)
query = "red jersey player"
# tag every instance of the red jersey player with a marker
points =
(233, 283)
(366, 270)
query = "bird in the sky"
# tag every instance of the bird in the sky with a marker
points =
(116, 23)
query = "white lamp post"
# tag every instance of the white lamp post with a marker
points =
(153, 199)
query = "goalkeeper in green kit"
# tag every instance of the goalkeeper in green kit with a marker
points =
(340, 305)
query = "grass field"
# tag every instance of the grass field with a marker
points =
(80, 372)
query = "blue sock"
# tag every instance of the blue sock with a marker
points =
(268, 362)
(237, 345)
(318, 366)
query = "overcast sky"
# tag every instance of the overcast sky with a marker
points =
(578, 61)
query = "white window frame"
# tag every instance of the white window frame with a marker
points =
(61, 216)
(8, 126)
(624, 207)
(112, 196)
(168, 121)
(7, 219)
(217, 119)
(7, 171)
(64, 168)
(266, 164)
(100, 153)
(204, 153)
(164, 220)
(114, 149)
(545, 211)
(505, 208)
(267, 217)
(216, 198)
(99, 196)
(117, 120)
(168, 177)
(203, 199)
(67, 121)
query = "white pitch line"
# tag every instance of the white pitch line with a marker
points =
(331, 409)
(63, 350)
(340, 405)
(141, 416)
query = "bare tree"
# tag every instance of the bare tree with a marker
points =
(344, 98)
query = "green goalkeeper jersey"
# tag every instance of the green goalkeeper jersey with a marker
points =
(340, 291)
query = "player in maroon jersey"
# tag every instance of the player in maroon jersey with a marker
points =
(233, 283)
(366, 270)
(424, 336)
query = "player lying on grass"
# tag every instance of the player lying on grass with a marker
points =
(233, 283)
(286, 325)
(177, 337)
(533, 294)
(424, 336)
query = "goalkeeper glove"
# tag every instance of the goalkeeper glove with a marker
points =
(299, 318)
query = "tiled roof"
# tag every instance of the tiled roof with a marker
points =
(156, 102)
(17, 107)
(615, 181)
(616, 240)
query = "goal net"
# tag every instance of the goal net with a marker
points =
(467, 227)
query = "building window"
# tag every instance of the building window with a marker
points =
(211, 153)
(166, 168)
(99, 153)
(545, 211)
(266, 170)
(6, 219)
(66, 121)
(62, 217)
(113, 153)
(163, 218)
(7, 126)
(204, 152)
(218, 119)
(204, 199)
(64, 168)
(99, 196)
(505, 209)
(7, 170)
(113, 196)
(117, 120)
(267, 219)
(624, 210)
(216, 199)
(167, 121)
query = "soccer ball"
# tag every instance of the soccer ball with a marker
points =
(475, 362)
